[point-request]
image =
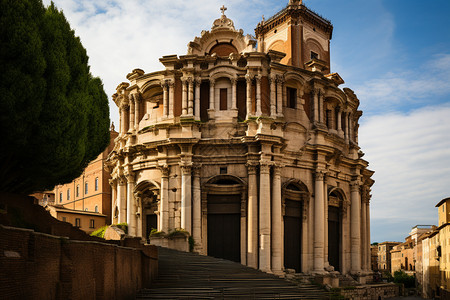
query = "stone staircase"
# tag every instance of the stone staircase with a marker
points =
(191, 276)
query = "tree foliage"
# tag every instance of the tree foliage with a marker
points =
(54, 115)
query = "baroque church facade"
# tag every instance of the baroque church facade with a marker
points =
(249, 145)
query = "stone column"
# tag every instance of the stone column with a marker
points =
(138, 199)
(131, 205)
(355, 228)
(350, 127)
(184, 101)
(122, 200)
(197, 208)
(164, 209)
(171, 85)
(346, 132)
(248, 79)
(368, 256)
(190, 105)
(320, 96)
(131, 118)
(165, 99)
(339, 120)
(122, 110)
(363, 237)
(264, 217)
(315, 94)
(137, 111)
(113, 184)
(186, 190)
(280, 95)
(319, 230)
(258, 95)
(211, 94)
(277, 259)
(197, 98)
(233, 93)
(252, 241)
(273, 97)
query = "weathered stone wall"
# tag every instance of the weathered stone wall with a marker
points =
(372, 292)
(40, 266)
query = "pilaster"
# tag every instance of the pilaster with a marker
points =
(277, 259)
(264, 217)
(252, 229)
(186, 206)
(131, 206)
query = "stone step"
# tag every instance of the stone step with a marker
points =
(192, 276)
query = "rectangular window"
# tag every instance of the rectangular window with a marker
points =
(223, 99)
(78, 190)
(68, 194)
(91, 223)
(96, 183)
(60, 197)
(86, 187)
(77, 222)
(291, 97)
(314, 55)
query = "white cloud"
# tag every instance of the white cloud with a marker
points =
(410, 154)
(396, 90)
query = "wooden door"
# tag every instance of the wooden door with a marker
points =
(224, 230)
(152, 223)
(293, 235)
(334, 237)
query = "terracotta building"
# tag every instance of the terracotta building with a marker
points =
(384, 256)
(436, 256)
(86, 201)
(250, 146)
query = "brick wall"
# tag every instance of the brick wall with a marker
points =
(371, 292)
(50, 259)
(40, 266)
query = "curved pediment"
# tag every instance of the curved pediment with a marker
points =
(222, 40)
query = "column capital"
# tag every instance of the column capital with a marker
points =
(186, 168)
(258, 78)
(112, 182)
(196, 168)
(121, 180)
(198, 81)
(130, 177)
(170, 82)
(248, 77)
(212, 81)
(277, 168)
(164, 170)
(251, 167)
(280, 79)
(264, 167)
(319, 175)
(354, 186)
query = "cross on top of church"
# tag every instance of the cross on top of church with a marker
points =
(223, 9)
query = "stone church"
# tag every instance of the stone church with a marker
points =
(248, 144)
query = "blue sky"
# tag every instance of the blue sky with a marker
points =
(395, 55)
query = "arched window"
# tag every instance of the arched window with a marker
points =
(96, 183)
(60, 197)
(86, 187)
(96, 209)
(78, 190)
(68, 194)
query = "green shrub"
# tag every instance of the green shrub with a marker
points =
(177, 232)
(123, 226)
(402, 277)
(100, 232)
(156, 233)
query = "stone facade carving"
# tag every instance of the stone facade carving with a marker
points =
(240, 140)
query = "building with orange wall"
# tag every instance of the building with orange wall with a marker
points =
(89, 194)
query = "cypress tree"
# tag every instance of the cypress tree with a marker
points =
(54, 114)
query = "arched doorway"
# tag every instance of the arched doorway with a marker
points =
(335, 202)
(147, 196)
(223, 197)
(293, 203)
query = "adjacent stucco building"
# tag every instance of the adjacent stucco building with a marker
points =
(250, 146)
